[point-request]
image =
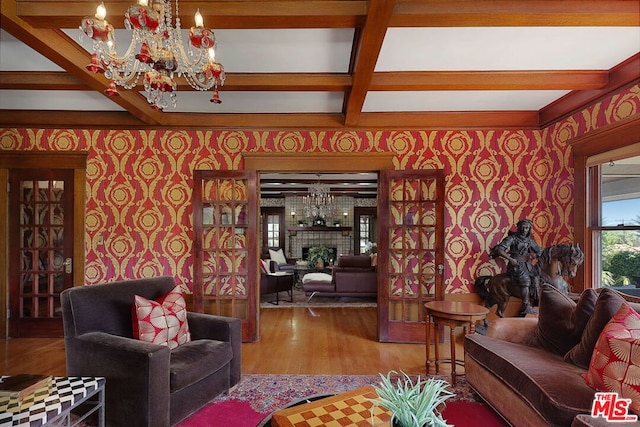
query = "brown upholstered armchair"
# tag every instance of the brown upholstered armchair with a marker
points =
(147, 384)
(275, 281)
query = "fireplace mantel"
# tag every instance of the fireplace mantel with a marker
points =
(294, 230)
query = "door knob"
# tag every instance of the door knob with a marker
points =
(67, 265)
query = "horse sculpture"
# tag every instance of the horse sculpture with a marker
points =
(555, 263)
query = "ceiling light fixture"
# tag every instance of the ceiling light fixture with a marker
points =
(319, 203)
(157, 52)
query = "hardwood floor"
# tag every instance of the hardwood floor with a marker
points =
(292, 341)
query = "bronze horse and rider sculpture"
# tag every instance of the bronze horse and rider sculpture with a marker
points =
(528, 266)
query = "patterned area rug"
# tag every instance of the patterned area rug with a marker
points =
(300, 300)
(257, 396)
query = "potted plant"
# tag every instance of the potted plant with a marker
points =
(319, 256)
(413, 404)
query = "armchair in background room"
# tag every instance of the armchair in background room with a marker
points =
(282, 262)
(274, 281)
(148, 384)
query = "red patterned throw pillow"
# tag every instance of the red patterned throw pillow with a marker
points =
(615, 363)
(163, 321)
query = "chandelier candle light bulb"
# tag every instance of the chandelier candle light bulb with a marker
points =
(101, 11)
(157, 53)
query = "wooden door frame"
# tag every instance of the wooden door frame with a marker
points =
(77, 161)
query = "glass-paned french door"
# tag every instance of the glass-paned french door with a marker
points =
(225, 276)
(410, 255)
(41, 240)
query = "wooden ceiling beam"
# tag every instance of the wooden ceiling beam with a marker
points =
(488, 80)
(216, 14)
(351, 14)
(40, 80)
(288, 82)
(70, 119)
(499, 13)
(186, 121)
(451, 120)
(325, 82)
(367, 49)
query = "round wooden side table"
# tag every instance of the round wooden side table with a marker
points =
(452, 314)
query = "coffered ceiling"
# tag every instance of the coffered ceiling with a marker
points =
(315, 64)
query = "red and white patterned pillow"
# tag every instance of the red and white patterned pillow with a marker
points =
(163, 321)
(615, 363)
(264, 266)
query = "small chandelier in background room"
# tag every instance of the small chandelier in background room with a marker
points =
(157, 53)
(319, 203)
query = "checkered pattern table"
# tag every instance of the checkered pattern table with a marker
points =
(352, 408)
(67, 393)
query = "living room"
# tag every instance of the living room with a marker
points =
(134, 189)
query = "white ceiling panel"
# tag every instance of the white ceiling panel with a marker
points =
(285, 50)
(56, 100)
(480, 100)
(260, 102)
(507, 48)
(17, 56)
(318, 50)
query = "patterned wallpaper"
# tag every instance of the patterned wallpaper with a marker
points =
(139, 213)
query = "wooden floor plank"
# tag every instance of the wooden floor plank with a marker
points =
(336, 341)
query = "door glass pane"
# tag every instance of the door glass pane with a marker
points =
(41, 238)
(412, 245)
(224, 254)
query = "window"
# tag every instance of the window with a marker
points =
(365, 233)
(273, 230)
(616, 233)
(365, 225)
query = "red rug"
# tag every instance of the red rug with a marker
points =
(257, 396)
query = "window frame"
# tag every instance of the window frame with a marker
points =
(611, 142)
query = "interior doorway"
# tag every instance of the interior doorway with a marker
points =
(317, 162)
(43, 236)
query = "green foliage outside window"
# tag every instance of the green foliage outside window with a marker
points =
(621, 258)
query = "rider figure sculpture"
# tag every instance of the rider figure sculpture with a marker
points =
(518, 249)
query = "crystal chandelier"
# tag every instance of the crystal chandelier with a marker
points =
(318, 203)
(156, 53)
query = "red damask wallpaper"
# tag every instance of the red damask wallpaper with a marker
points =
(139, 184)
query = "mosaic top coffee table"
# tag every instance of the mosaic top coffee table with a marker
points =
(66, 395)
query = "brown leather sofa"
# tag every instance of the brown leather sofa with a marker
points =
(352, 276)
(147, 384)
(521, 369)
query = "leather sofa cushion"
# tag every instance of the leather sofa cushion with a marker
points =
(196, 360)
(552, 386)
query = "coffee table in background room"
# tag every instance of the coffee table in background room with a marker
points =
(82, 395)
(452, 314)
